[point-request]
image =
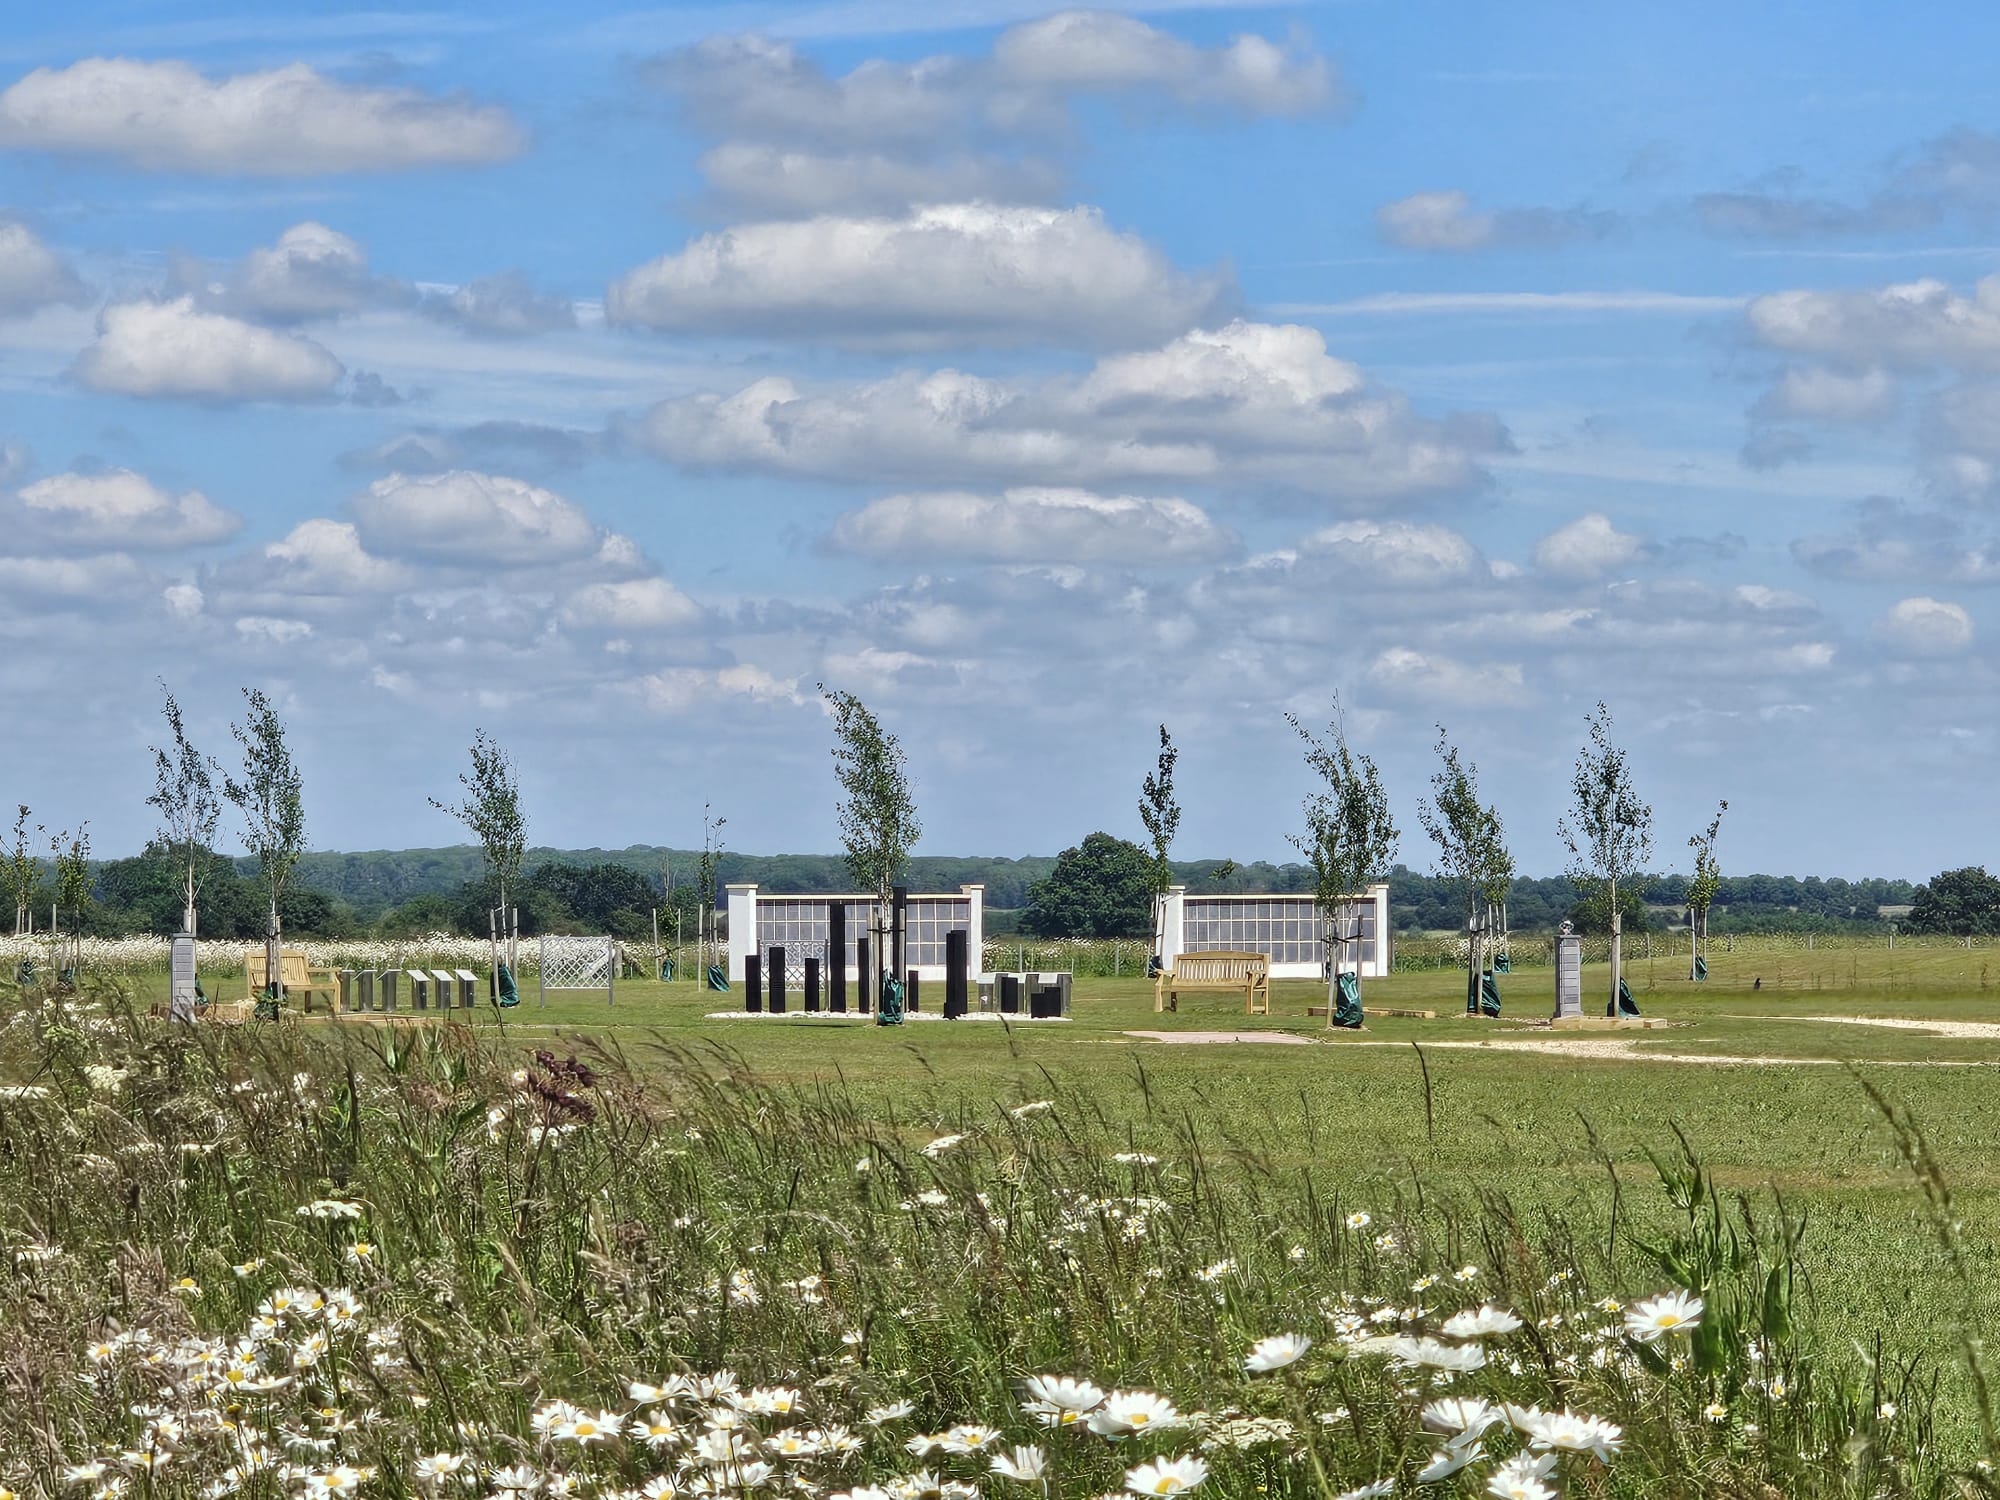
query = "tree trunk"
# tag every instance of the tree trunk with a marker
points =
(1617, 950)
(274, 967)
(1332, 973)
(1472, 958)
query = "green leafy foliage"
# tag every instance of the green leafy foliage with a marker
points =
(1963, 902)
(1101, 888)
(22, 871)
(1350, 837)
(189, 803)
(492, 811)
(1706, 883)
(1608, 830)
(1161, 813)
(877, 815)
(268, 797)
(1591, 912)
(1471, 842)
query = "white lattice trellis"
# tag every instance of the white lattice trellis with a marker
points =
(796, 954)
(579, 963)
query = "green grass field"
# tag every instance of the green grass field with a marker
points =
(1765, 1089)
(1495, 1143)
(1774, 1105)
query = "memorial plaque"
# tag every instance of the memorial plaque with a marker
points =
(836, 953)
(955, 948)
(1569, 974)
(180, 1006)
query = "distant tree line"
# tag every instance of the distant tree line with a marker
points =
(393, 893)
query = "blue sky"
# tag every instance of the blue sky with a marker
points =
(609, 376)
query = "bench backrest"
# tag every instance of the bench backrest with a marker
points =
(1221, 965)
(293, 971)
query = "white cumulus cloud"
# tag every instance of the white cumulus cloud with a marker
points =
(31, 274)
(325, 557)
(173, 349)
(311, 272)
(507, 305)
(764, 179)
(677, 689)
(1429, 678)
(1399, 552)
(286, 122)
(1909, 325)
(1034, 525)
(1086, 51)
(1587, 547)
(118, 508)
(963, 273)
(1248, 403)
(631, 604)
(1927, 627)
(469, 518)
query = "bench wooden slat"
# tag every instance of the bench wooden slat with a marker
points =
(1213, 970)
(295, 974)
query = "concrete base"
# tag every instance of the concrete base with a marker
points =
(1376, 1010)
(1605, 1023)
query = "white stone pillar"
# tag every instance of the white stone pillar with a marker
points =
(741, 902)
(1384, 954)
(975, 931)
(1172, 933)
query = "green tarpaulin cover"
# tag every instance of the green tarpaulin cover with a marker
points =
(510, 993)
(718, 978)
(1489, 994)
(1347, 1002)
(890, 1011)
(666, 968)
(1700, 968)
(1502, 964)
(1626, 1005)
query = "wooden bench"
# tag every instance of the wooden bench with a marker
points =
(296, 976)
(1217, 970)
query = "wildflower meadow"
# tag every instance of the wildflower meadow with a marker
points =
(446, 1262)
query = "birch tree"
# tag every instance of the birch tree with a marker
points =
(21, 871)
(70, 853)
(1471, 844)
(877, 816)
(1608, 831)
(274, 819)
(1161, 814)
(1350, 837)
(189, 806)
(706, 870)
(1704, 885)
(492, 812)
